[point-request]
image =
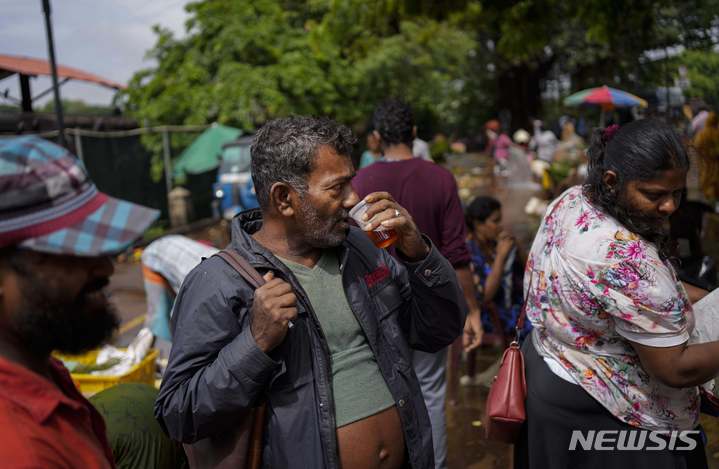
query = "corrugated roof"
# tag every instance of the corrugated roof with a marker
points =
(10, 64)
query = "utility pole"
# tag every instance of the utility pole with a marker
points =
(666, 78)
(53, 68)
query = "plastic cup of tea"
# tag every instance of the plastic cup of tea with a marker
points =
(380, 236)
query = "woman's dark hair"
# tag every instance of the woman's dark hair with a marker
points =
(480, 209)
(638, 151)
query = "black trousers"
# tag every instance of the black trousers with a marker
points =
(556, 408)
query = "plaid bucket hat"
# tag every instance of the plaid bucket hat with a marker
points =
(49, 204)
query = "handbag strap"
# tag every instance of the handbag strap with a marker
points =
(244, 268)
(523, 312)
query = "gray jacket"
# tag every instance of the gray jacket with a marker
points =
(216, 370)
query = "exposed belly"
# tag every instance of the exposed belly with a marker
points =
(375, 442)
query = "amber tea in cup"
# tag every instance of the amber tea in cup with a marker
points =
(381, 237)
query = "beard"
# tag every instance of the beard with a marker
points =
(321, 232)
(48, 321)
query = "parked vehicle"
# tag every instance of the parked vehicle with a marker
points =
(234, 190)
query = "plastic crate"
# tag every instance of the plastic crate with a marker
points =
(143, 372)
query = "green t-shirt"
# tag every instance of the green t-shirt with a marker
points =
(358, 386)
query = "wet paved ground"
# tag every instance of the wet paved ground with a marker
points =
(467, 447)
(128, 296)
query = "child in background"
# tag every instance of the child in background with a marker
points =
(373, 151)
(498, 146)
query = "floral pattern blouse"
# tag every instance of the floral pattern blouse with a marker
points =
(593, 287)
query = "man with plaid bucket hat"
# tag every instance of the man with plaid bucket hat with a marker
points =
(57, 233)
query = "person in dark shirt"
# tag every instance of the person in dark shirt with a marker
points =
(429, 193)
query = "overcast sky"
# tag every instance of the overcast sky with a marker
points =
(105, 37)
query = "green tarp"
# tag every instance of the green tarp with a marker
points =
(203, 154)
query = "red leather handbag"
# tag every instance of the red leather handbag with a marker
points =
(505, 412)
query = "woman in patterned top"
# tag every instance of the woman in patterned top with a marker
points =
(608, 356)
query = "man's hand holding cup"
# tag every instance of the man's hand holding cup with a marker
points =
(385, 221)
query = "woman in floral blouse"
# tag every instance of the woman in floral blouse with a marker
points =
(611, 320)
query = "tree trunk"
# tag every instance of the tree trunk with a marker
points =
(591, 75)
(519, 93)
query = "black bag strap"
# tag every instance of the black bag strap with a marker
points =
(244, 268)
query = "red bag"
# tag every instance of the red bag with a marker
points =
(505, 412)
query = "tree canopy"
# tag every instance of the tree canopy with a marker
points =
(458, 62)
(703, 74)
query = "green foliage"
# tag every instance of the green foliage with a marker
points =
(78, 107)
(158, 229)
(703, 73)
(244, 62)
(427, 63)
(457, 62)
(69, 106)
